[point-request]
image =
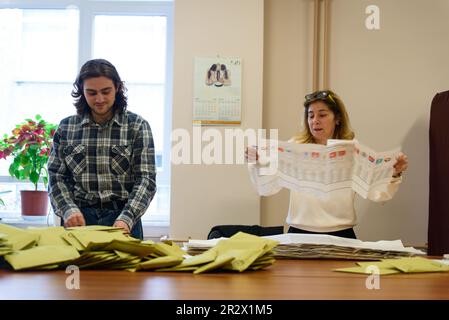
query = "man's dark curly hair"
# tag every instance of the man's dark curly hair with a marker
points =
(93, 69)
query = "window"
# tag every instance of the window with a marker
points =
(42, 47)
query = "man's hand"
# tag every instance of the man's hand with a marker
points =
(76, 219)
(121, 224)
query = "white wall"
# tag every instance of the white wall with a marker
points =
(207, 195)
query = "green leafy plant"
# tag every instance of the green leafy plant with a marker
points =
(29, 145)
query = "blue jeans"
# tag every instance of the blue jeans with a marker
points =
(107, 217)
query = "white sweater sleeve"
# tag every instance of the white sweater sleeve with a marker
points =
(266, 185)
(385, 193)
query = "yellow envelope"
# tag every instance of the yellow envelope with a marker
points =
(242, 258)
(5, 247)
(41, 256)
(245, 251)
(220, 261)
(384, 264)
(257, 266)
(161, 262)
(9, 230)
(124, 255)
(95, 260)
(364, 270)
(96, 240)
(418, 264)
(95, 228)
(4, 251)
(205, 257)
(21, 241)
(193, 262)
(137, 249)
(49, 236)
(164, 249)
(265, 262)
(73, 241)
(18, 238)
(177, 269)
(269, 244)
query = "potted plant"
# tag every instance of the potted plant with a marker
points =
(29, 146)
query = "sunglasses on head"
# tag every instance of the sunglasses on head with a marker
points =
(318, 95)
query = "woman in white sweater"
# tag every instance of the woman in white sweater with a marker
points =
(333, 213)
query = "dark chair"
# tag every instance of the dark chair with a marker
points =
(438, 232)
(228, 231)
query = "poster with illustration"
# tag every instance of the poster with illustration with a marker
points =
(217, 91)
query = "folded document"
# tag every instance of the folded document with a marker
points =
(320, 169)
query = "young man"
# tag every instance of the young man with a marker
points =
(102, 168)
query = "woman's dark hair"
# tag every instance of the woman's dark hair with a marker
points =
(93, 69)
(225, 71)
(213, 68)
(335, 104)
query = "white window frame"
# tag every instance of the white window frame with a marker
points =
(88, 9)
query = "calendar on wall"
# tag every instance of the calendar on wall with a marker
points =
(217, 91)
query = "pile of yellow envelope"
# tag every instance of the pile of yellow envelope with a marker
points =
(5, 247)
(392, 266)
(238, 253)
(101, 247)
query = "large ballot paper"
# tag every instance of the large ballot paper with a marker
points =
(320, 169)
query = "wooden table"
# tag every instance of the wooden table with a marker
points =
(286, 280)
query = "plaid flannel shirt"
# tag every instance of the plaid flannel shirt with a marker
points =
(92, 164)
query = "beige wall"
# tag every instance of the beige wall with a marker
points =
(206, 195)
(387, 79)
(287, 74)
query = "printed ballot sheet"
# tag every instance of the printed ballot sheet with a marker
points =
(322, 169)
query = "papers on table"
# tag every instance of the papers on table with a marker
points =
(403, 265)
(326, 246)
(321, 169)
(5, 247)
(41, 256)
(240, 252)
(316, 246)
(97, 247)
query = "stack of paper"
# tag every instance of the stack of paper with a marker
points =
(403, 265)
(315, 246)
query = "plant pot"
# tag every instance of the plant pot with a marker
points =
(34, 203)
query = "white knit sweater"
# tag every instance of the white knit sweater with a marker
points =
(328, 212)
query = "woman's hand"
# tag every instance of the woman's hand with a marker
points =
(401, 165)
(251, 154)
